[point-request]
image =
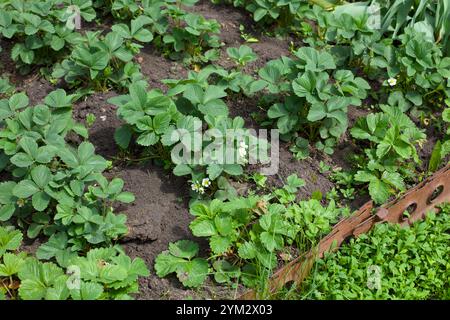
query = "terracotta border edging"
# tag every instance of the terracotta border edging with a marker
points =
(419, 200)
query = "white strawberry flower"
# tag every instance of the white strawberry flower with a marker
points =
(392, 81)
(206, 182)
(195, 186)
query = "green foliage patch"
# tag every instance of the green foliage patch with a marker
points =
(412, 263)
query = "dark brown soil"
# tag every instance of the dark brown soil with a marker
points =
(156, 68)
(101, 134)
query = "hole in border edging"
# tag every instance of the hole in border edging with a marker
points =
(436, 193)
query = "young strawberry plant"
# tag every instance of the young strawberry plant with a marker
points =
(242, 55)
(163, 124)
(119, 9)
(393, 139)
(285, 15)
(348, 32)
(180, 259)
(105, 273)
(430, 16)
(248, 236)
(235, 79)
(56, 189)
(6, 88)
(314, 99)
(191, 37)
(102, 62)
(42, 30)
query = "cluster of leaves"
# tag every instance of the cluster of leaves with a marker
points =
(285, 15)
(432, 16)
(248, 236)
(314, 98)
(393, 141)
(104, 61)
(346, 32)
(406, 270)
(104, 273)
(192, 34)
(180, 258)
(44, 33)
(42, 30)
(6, 88)
(414, 57)
(421, 70)
(163, 122)
(391, 154)
(55, 189)
(179, 33)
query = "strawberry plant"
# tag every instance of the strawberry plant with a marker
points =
(223, 82)
(286, 15)
(180, 34)
(105, 273)
(6, 88)
(398, 16)
(136, 31)
(160, 123)
(213, 162)
(393, 139)
(246, 235)
(180, 258)
(221, 226)
(442, 147)
(235, 79)
(120, 9)
(191, 35)
(41, 30)
(242, 55)
(102, 62)
(287, 194)
(148, 116)
(271, 11)
(54, 187)
(52, 190)
(347, 32)
(418, 71)
(309, 90)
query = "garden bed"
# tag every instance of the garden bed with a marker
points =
(160, 213)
